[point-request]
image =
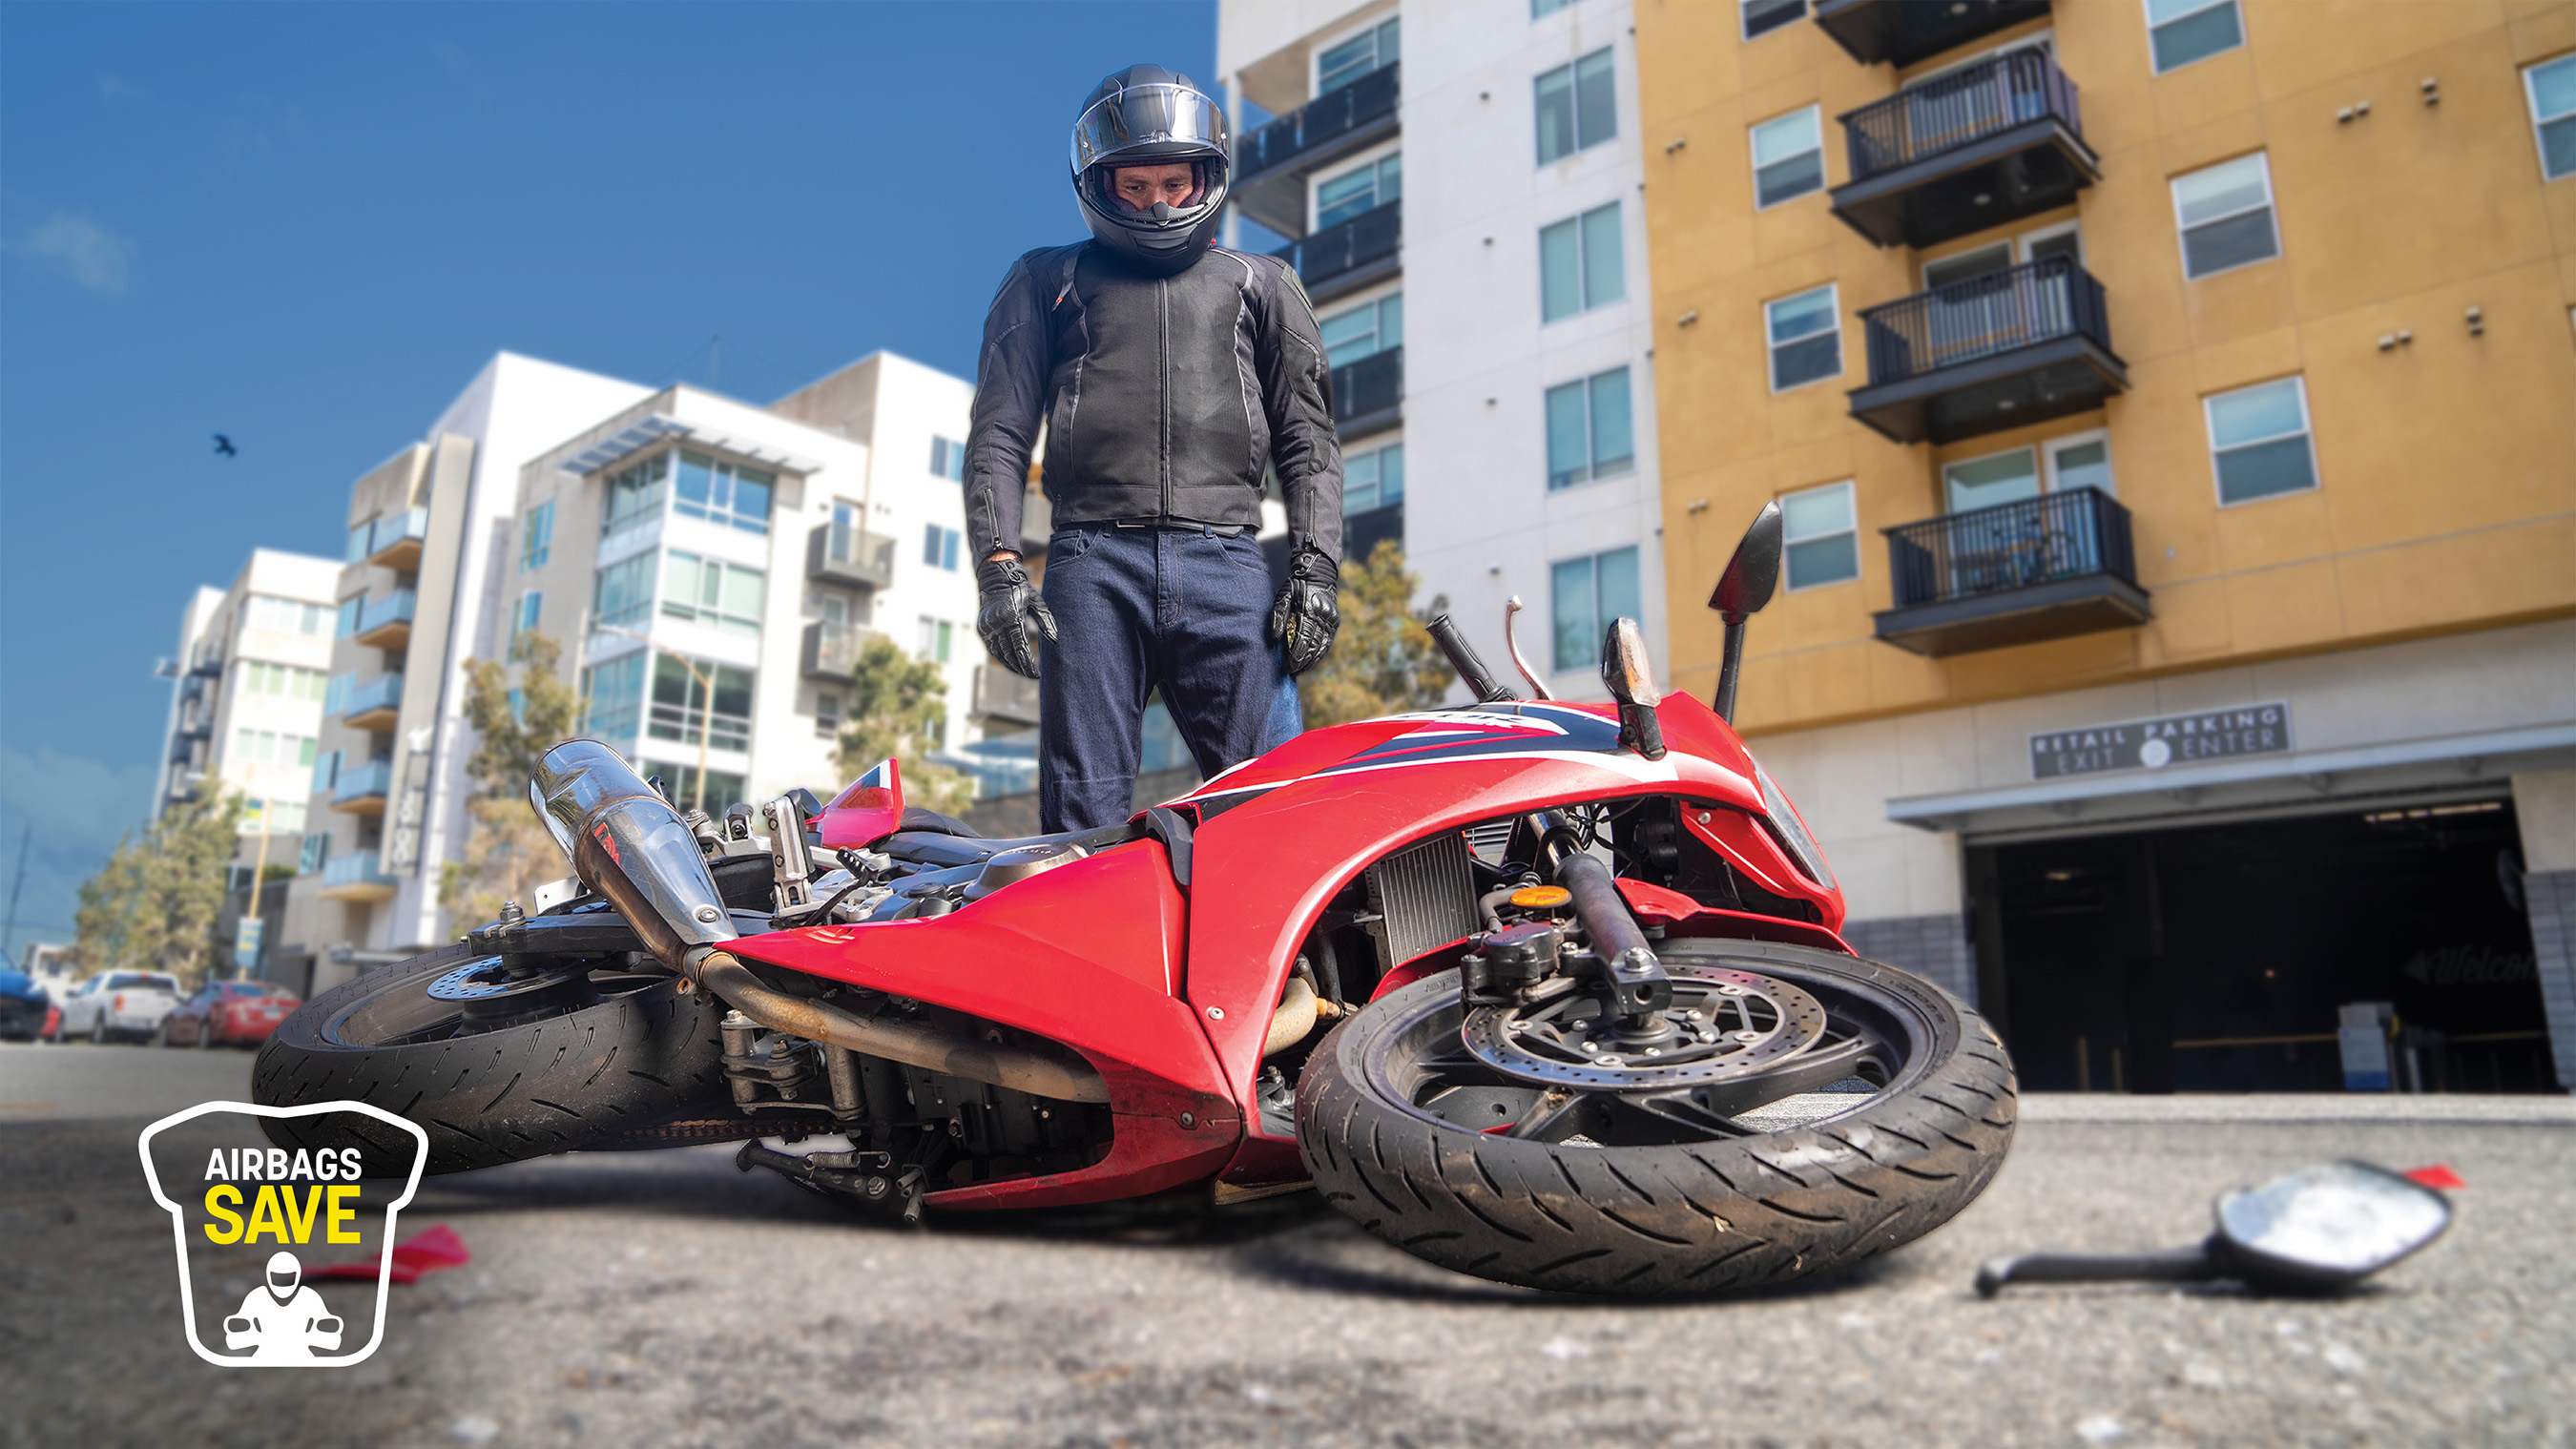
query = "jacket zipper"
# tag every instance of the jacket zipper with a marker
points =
(1163, 335)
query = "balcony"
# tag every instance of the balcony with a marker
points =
(831, 651)
(835, 554)
(1902, 32)
(361, 789)
(357, 878)
(2021, 345)
(1368, 394)
(207, 662)
(392, 541)
(2042, 568)
(1974, 149)
(373, 705)
(1003, 697)
(1349, 255)
(1271, 161)
(384, 620)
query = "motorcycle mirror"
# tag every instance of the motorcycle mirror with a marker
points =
(1631, 681)
(1753, 574)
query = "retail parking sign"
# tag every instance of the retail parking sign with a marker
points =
(2153, 744)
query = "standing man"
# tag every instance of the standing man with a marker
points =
(1170, 376)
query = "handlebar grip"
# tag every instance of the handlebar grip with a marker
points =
(1480, 680)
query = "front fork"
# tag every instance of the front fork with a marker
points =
(1639, 991)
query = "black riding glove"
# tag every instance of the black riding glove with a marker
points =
(1308, 610)
(1011, 616)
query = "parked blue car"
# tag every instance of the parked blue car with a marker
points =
(23, 1005)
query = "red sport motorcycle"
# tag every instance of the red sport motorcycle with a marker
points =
(1546, 992)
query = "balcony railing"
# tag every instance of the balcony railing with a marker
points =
(1902, 32)
(838, 554)
(1005, 697)
(357, 876)
(2015, 346)
(361, 789)
(384, 620)
(831, 651)
(392, 541)
(368, 706)
(1349, 254)
(1368, 391)
(1347, 115)
(1979, 147)
(2041, 568)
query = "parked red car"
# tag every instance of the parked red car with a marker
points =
(237, 1012)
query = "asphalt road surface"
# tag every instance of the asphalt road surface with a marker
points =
(666, 1299)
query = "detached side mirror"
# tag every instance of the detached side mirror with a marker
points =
(1630, 678)
(1751, 577)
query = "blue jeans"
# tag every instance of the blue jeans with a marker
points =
(1183, 610)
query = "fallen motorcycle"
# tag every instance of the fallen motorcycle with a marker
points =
(1545, 992)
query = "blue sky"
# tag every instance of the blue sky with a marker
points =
(307, 226)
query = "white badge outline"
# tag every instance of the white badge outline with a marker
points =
(179, 1220)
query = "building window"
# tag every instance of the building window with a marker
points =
(1577, 108)
(634, 496)
(2183, 31)
(1371, 49)
(1821, 527)
(1788, 157)
(712, 592)
(723, 493)
(349, 610)
(1581, 264)
(2081, 460)
(270, 747)
(827, 713)
(1990, 481)
(286, 616)
(940, 547)
(1364, 188)
(1588, 430)
(622, 594)
(1806, 338)
(283, 680)
(315, 854)
(680, 703)
(2225, 213)
(1374, 479)
(537, 537)
(612, 697)
(1363, 331)
(723, 790)
(1541, 9)
(524, 617)
(948, 459)
(938, 638)
(1587, 594)
(1761, 17)
(2258, 441)
(2552, 88)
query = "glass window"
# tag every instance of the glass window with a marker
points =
(1590, 433)
(948, 459)
(622, 593)
(1986, 482)
(348, 621)
(1364, 330)
(2183, 31)
(2225, 212)
(634, 496)
(1806, 338)
(1582, 264)
(680, 703)
(286, 616)
(827, 712)
(1586, 595)
(612, 697)
(941, 547)
(531, 604)
(724, 790)
(1540, 9)
(2258, 441)
(2552, 88)
(1577, 107)
(2082, 461)
(1363, 188)
(1821, 527)
(536, 537)
(1788, 157)
(1374, 479)
(358, 537)
(712, 592)
(1764, 16)
(937, 639)
(1356, 57)
(723, 493)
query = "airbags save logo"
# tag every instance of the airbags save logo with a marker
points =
(253, 1220)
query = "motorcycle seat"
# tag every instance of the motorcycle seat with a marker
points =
(946, 849)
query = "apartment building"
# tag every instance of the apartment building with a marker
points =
(246, 700)
(2169, 401)
(1459, 188)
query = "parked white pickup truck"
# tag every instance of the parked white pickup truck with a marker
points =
(114, 1004)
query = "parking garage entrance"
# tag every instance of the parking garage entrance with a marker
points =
(2216, 958)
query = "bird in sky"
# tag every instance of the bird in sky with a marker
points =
(224, 447)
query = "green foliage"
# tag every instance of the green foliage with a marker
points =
(897, 706)
(152, 907)
(1383, 660)
(509, 853)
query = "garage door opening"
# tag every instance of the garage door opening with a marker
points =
(2214, 959)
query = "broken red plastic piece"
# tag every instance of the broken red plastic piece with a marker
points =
(2439, 1177)
(422, 1252)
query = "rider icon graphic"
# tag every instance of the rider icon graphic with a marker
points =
(282, 1320)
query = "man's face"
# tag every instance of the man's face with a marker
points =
(1140, 187)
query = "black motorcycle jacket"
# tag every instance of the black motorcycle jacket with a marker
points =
(1164, 398)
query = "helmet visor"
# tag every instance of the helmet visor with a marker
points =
(1143, 123)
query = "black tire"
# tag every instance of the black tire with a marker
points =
(1677, 1217)
(595, 1073)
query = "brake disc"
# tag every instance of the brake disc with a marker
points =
(488, 981)
(1728, 1025)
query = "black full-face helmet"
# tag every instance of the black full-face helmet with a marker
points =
(1148, 116)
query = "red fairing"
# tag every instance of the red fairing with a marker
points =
(867, 812)
(1679, 915)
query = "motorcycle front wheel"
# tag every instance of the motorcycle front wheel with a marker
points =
(498, 1065)
(1805, 1110)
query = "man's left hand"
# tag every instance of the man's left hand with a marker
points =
(1309, 610)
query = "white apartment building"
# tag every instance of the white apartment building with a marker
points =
(246, 705)
(1463, 184)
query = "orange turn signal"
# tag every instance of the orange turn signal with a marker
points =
(1541, 898)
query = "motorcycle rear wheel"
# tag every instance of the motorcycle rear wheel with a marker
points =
(590, 1061)
(1675, 1203)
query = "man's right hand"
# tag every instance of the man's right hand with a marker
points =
(1012, 615)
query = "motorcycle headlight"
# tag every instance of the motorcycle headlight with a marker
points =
(1793, 831)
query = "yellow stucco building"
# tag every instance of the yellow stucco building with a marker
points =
(2173, 404)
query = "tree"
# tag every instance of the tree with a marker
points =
(152, 907)
(509, 853)
(1383, 660)
(898, 705)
